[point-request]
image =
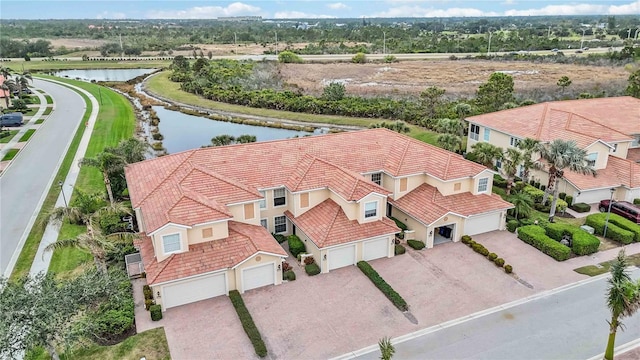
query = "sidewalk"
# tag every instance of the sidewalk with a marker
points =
(43, 258)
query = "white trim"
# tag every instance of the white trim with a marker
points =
(179, 241)
(374, 193)
(258, 253)
(167, 225)
(447, 214)
(169, 282)
(285, 224)
(212, 222)
(245, 202)
(308, 190)
(364, 243)
(355, 253)
(478, 186)
(480, 173)
(273, 193)
(275, 273)
(602, 142)
(354, 241)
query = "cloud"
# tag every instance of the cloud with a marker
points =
(509, 2)
(338, 6)
(299, 15)
(418, 11)
(111, 15)
(206, 12)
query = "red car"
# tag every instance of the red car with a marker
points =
(622, 208)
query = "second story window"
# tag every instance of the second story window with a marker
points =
(279, 197)
(483, 184)
(370, 209)
(474, 132)
(591, 159)
(487, 134)
(263, 202)
(514, 141)
(377, 178)
(171, 243)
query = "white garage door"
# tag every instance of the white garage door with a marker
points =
(258, 276)
(194, 290)
(591, 197)
(341, 257)
(482, 224)
(375, 249)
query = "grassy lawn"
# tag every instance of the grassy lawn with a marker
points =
(35, 100)
(27, 135)
(161, 85)
(593, 270)
(10, 154)
(68, 259)
(8, 138)
(47, 111)
(151, 344)
(79, 64)
(30, 111)
(49, 99)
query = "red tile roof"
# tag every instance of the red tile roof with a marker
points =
(633, 154)
(243, 242)
(427, 204)
(618, 172)
(326, 225)
(585, 121)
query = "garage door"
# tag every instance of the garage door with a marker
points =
(375, 249)
(194, 290)
(341, 257)
(482, 224)
(258, 276)
(591, 197)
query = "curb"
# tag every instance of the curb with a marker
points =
(621, 349)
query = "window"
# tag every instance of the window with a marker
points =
(457, 186)
(280, 223)
(207, 233)
(304, 200)
(377, 178)
(487, 132)
(514, 141)
(498, 163)
(263, 223)
(591, 159)
(171, 243)
(474, 133)
(483, 184)
(263, 202)
(370, 209)
(403, 184)
(279, 197)
(248, 211)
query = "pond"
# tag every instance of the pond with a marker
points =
(184, 132)
(103, 74)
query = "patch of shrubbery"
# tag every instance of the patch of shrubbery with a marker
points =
(480, 249)
(512, 225)
(581, 207)
(312, 269)
(248, 325)
(536, 236)
(399, 249)
(386, 289)
(416, 244)
(279, 238)
(617, 228)
(583, 243)
(289, 275)
(296, 246)
(156, 312)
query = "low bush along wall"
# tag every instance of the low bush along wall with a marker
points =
(536, 236)
(480, 249)
(583, 242)
(296, 246)
(248, 324)
(386, 289)
(614, 230)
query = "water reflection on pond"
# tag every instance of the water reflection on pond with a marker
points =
(103, 74)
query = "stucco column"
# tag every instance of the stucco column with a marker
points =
(429, 242)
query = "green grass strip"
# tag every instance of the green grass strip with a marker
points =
(39, 121)
(27, 135)
(79, 64)
(47, 111)
(8, 137)
(49, 99)
(10, 154)
(593, 270)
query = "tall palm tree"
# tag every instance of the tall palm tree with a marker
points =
(528, 146)
(522, 203)
(486, 153)
(108, 163)
(222, 140)
(22, 81)
(449, 142)
(559, 156)
(132, 150)
(623, 298)
(5, 72)
(246, 138)
(8, 85)
(81, 209)
(512, 158)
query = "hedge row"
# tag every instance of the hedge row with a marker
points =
(416, 244)
(581, 207)
(626, 224)
(386, 289)
(248, 324)
(480, 249)
(296, 246)
(583, 242)
(536, 236)
(614, 232)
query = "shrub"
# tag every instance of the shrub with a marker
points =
(569, 200)
(480, 249)
(499, 181)
(636, 201)
(536, 184)
(359, 58)
(543, 187)
(386, 289)
(614, 232)
(562, 195)
(400, 224)
(312, 269)
(247, 323)
(334, 91)
(309, 260)
(390, 59)
(493, 256)
(288, 57)
(508, 269)
(625, 224)
(499, 262)
(583, 242)
(399, 250)
(536, 194)
(535, 236)
(148, 303)
(581, 207)
(532, 182)
(296, 246)
(416, 244)
(471, 243)
(148, 293)
(512, 225)
(465, 239)
(279, 238)
(289, 275)
(156, 312)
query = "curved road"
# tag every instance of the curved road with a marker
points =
(25, 183)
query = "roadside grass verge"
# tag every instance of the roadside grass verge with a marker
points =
(31, 111)
(67, 259)
(10, 154)
(6, 139)
(39, 121)
(34, 100)
(161, 85)
(27, 135)
(49, 99)
(593, 270)
(47, 111)
(79, 64)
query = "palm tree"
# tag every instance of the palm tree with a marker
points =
(522, 203)
(8, 85)
(463, 110)
(623, 298)
(486, 153)
(449, 142)
(455, 127)
(132, 150)
(528, 146)
(561, 155)
(386, 348)
(5, 72)
(223, 140)
(244, 139)
(512, 158)
(108, 163)
(82, 208)
(23, 81)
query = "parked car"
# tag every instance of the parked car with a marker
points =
(26, 90)
(622, 208)
(11, 119)
(578, 51)
(554, 50)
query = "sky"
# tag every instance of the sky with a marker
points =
(193, 9)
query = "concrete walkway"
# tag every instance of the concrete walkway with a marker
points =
(43, 258)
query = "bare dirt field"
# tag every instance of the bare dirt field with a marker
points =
(459, 78)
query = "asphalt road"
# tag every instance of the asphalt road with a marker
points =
(25, 183)
(571, 324)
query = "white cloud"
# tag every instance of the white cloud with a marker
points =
(111, 15)
(417, 11)
(580, 9)
(299, 15)
(338, 6)
(207, 12)
(509, 2)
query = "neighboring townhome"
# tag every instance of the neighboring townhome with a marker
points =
(607, 128)
(206, 215)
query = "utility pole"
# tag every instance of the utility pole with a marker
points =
(582, 40)
(489, 47)
(276, 43)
